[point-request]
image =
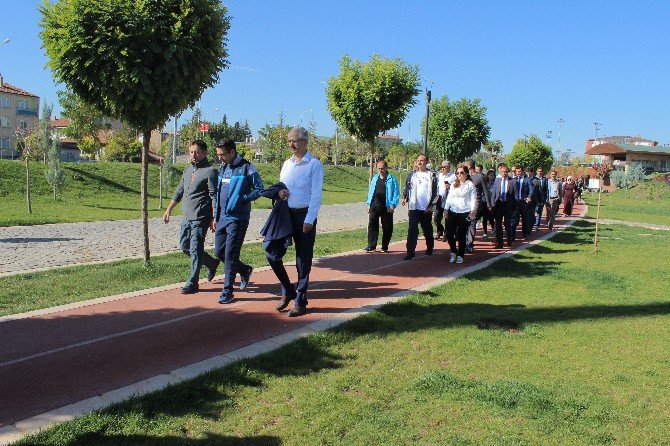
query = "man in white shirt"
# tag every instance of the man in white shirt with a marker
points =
(444, 180)
(420, 195)
(302, 174)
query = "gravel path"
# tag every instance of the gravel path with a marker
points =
(607, 221)
(41, 247)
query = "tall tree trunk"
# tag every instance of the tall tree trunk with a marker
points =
(145, 195)
(160, 183)
(372, 154)
(30, 209)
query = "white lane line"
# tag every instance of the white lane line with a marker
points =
(159, 324)
(104, 338)
(171, 321)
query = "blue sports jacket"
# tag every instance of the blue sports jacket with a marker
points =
(245, 186)
(392, 191)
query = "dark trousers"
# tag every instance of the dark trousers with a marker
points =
(304, 252)
(457, 227)
(488, 218)
(503, 216)
(539, 208)
(439, 218)
(472, 228)
(417, 218)
(524, 212)
(192, 243)
(227, 246)
(377, 213)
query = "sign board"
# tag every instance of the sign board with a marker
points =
(594, 183)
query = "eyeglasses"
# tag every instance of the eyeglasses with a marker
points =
(291, 141)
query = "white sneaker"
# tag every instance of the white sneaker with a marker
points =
(452, 259)
(459, 259)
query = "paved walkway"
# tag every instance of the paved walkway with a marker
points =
(60, 363)
(636, 224)
(40, 247)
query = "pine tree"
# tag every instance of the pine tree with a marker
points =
(54, 174)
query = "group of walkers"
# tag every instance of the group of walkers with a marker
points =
(220, 201)
(458, 202)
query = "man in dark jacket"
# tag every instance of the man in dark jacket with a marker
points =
(238, 185)
(504, 191)
(541, 194)
(197, 188)
(524, 196)
(483, 199)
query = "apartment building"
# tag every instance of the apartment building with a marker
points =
(19, 113)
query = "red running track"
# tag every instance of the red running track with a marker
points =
(53, 360)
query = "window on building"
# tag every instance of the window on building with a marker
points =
(4, 121)
(22, 124)
(4, 102)
(4, 143)
(21, 105)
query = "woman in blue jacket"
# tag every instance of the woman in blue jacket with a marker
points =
(383, 198)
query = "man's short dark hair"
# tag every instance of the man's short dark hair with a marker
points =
(481, 167)
(383, 161)
(227, 145)
(200, 144)
(501, 165)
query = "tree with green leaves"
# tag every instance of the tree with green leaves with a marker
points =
(54, 174)
(369, 98)
(122, 146)
(272, 140)
(86, 122)
(531, 153)
(139, 61)
(456, 130)
(493, 148)
(44, 129)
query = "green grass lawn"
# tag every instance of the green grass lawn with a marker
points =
(647, 202)
(31, 291)
(111, 191)
(555, 346)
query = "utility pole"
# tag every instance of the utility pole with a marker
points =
(425, 130)
(597, 127)
(174, 141)
(560, 127)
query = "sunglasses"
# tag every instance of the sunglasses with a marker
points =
(460, 172)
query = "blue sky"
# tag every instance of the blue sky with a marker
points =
(530, 62)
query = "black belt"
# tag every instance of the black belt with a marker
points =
(298, 210)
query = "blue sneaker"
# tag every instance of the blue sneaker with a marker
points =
(244, 279)
(226, 299)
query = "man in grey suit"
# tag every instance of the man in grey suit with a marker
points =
(482, 192)
(504, 191)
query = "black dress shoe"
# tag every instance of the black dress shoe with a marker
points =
(283, 303)
(298, 310)
(368, 249)
(429, 251)
(469, 249)
(212, 271)
(409, 257)
(385, 250)
(244, 279)
(189, 290)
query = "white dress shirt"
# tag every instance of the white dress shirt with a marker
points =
(304, 181)
(461, 199)
(422, 189)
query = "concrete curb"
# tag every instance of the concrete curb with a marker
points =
(46, 420)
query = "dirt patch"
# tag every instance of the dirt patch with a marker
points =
(500, 324)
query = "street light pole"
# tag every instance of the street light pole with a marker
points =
(560, 127)
(425, 130)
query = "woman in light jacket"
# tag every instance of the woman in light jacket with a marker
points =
(460, 203)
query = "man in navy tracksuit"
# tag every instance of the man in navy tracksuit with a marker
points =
(238, 185)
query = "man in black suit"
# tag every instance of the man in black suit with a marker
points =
(482, 192)
(541, 192)
(523, 198)
(504, 191)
